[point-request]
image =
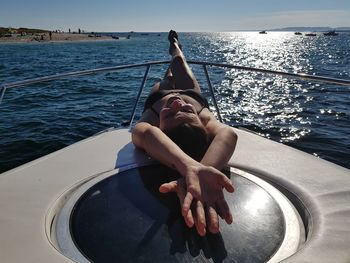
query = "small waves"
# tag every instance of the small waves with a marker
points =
(286, 110)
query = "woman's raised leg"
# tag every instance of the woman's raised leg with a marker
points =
(182, 74)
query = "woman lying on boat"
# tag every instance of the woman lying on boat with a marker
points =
(178, 130)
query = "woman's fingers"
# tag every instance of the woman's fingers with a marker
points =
(169, 187)
(200, 221)
(181, 193)
(186, 204)
(212, 218)
(202, 215)
(224, 210)
(226, 183)
(179, 187)
(189, 219)
(193, 186)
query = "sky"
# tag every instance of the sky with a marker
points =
(181, 15)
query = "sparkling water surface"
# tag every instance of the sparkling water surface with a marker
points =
(311, 116)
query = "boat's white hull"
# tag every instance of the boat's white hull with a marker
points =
(29, 194)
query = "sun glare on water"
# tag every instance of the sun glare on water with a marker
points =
(266, 103)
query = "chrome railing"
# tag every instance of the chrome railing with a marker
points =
(148, 65)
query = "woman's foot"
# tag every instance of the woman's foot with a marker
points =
(174, 41)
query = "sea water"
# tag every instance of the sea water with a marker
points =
(311, 116)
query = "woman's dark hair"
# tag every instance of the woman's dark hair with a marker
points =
(193, 140)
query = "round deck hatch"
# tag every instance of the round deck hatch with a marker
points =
(124, 218)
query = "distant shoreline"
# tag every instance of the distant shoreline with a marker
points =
(55, 37)
(44, 37)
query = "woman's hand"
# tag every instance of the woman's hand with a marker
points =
(198, 214)
(206, 184)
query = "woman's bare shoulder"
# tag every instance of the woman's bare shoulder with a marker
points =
(211, 124)
(207, 118)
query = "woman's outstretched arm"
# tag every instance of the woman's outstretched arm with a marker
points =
(218, 154)
(223, 143)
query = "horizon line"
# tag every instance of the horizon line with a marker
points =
(287, 28)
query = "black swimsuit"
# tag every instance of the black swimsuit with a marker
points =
(156, 96)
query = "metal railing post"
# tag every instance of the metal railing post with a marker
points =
(212, 92)
(138, 96)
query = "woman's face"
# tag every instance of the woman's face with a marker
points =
(175, 112)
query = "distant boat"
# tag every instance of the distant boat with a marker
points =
(331, 33)
(263, 32)
(297, 33)
(115, 37)
(311, 34)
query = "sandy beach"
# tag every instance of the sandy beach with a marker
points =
(56, 37)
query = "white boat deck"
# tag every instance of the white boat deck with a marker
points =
(318, 189)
